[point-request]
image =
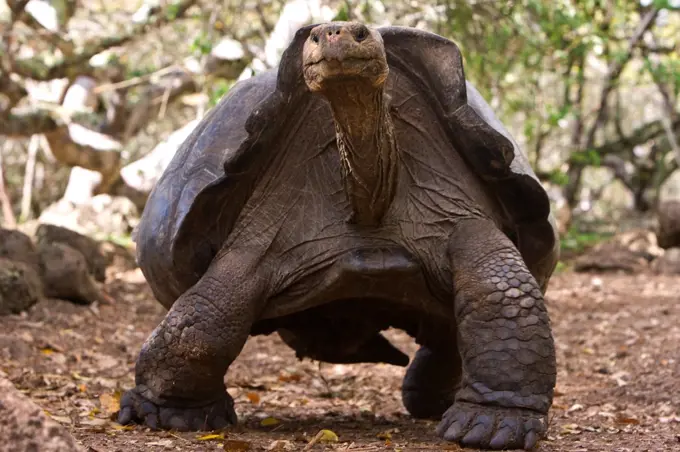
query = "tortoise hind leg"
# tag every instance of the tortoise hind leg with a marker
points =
(430, 382)
(180, 370)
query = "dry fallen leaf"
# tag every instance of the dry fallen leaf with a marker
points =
(571, 428)
(282, 445)
(110, 403)
(62, 419)
(269, 421)
(77, 376)
(96, 422)
(385, 435)
(328, 436)
(254, 397)
(235, 445)
(290, 378)
(626, 420)
(163, 442)
(667, 419)
(210, 436)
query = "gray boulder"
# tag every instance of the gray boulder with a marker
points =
(25, 427)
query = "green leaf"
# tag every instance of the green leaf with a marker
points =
(218, 89)
(558, 177)
(589, 157)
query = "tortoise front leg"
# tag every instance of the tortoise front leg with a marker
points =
(180, 370)
(505, 342)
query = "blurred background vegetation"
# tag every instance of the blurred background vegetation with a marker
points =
(95, 97)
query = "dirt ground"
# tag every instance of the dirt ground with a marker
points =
(618, 342)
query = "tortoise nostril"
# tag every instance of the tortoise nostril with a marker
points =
(333, 30)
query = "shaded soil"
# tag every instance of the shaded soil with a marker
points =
(618, 342)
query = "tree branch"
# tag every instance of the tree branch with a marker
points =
(37, 69)
(17, 7)
(27, 123)
(77, 146)
(12, 90)
(48, 117)
(641, 135)
(613, 73)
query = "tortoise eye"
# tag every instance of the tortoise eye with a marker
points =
(315, 38)
(360, 35)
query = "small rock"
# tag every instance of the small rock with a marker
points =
(596, 283)
(66, 274)
(668, 232)
(669, 263)
(19, 247)
(628, 252)
(20, 287)
(87, 246)
(24, 426)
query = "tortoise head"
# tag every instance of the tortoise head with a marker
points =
(343, 52)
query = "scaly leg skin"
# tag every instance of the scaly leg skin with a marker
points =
(180, 370)
(505, 341)
(430, 383)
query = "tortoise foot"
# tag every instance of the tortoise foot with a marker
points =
(486, 427)
(430, 384)
(135, 407)
(424, 404)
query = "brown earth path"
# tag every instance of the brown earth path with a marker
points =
(618, 342)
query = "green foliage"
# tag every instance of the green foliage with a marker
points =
(588, 157)
(120, 240)
(561, 267)
(172, 11)
(343, 12)
(665, 4)
(666, 71)
(202, 44)
(559, 177)
(577, 241)
(558, 114)
(218, 89)
(541, 64)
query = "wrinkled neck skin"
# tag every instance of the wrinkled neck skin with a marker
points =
(368, 151)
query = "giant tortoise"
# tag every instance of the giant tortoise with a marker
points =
(362, 185)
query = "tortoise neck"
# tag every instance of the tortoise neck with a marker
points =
(368, 151)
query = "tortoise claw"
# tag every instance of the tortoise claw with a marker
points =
(487, 427)
(214, 415)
